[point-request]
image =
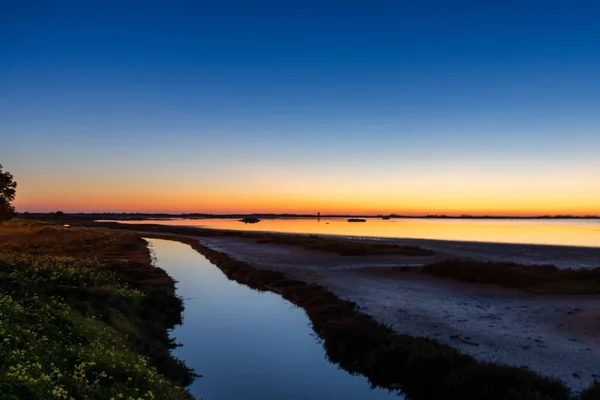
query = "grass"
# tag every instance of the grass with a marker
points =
(343, 247)
(531, 278)
(46, 238)
(84, 315)
(420, 367)
(591, 393)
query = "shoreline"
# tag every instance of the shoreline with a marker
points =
(420, 367)
(164, 216)
(487, 321)
(350, 278)
(562, 256)
(399, 237)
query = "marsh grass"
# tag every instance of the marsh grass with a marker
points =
(84, 315)
(46, 238)
(343, 247)
(531, 278)
(591, 393)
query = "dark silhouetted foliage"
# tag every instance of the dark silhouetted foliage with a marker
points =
(8, 190)
(591, 393)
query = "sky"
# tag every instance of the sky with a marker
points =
(478, 107)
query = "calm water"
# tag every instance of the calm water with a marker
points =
(249, 345)
(576, 232)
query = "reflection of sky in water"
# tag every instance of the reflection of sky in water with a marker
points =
(246, 344)
(558, 232)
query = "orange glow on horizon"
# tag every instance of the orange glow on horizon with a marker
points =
(294, 193)
(228, 205)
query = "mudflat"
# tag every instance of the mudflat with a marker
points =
(555, 335)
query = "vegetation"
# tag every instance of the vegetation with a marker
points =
(591, 393)
(532, 278)
(344, 247)
(8, 188)
(250, 220)
(84, 315)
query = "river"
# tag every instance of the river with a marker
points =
(247, 344)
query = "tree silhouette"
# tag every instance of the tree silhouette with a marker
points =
(8, 189)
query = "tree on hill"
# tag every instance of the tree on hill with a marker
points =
(8, 189)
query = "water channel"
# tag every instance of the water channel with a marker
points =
(247, 344)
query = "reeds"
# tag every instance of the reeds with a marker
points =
(531, 278)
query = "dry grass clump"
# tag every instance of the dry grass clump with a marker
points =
(591, 393)
(532, 278)
(344, 247)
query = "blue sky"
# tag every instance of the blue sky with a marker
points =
(99, 97)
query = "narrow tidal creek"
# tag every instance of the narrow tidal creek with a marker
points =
(246, 344)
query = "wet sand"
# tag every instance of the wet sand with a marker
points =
(555, 335)
(560, 256)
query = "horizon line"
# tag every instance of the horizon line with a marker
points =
(329, 215)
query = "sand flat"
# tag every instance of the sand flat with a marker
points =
(555, 335)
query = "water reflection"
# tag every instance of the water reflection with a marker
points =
(249, 345)
(556, 232)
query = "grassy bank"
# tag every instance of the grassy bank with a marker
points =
(420, 367)
(531, 278)
(84, 315)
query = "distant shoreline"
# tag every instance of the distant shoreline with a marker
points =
(165, 216)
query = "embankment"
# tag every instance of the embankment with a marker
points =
(84, 314)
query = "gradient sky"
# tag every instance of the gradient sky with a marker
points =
(367, 107)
